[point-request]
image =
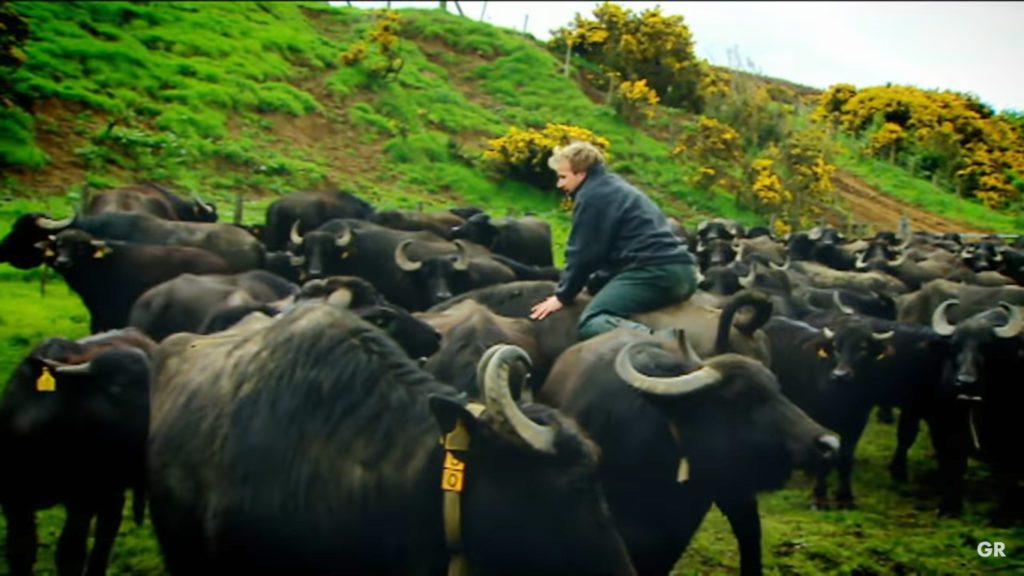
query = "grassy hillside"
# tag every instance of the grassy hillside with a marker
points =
(251, 98)
(173, 92)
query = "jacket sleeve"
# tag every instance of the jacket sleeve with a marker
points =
(589, 239)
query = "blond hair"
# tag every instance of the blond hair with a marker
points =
(578, 155)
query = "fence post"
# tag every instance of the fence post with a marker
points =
(238, 206)
(904, 231)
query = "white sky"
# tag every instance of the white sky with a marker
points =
(974, 47)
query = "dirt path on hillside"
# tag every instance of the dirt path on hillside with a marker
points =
(883, 212)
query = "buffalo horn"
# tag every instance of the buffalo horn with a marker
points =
(345, 239)
(861, 264)
(940, 322)
(815, 233)
(783, 266)
(198, 201)
(899, 261)
(294, 235)
(883, 336)
(1013, 325)
(55, 225)
(672, 386)
(837, 299)
(462, 260)
(402, 259)
(62, 368)
(498, 399)
(340, 298)
(748, 280)
(828, 333)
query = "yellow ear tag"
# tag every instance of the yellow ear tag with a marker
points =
(100, 252)
(822, 353)
(46, 382)
(49, 253)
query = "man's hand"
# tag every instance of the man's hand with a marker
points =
(545, 307)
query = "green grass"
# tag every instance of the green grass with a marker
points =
(898, 183)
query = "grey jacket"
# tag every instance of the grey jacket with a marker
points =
(615, 227)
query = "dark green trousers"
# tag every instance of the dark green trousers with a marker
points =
(635, 291)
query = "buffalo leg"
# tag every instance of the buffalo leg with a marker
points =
(906, 434)
(108, 521)
(820, 495)
(746, 526)
(885, 414)
(21, 540)
(844, 464)
(949, 431)
(72, 542)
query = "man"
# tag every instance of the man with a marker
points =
(614, 227)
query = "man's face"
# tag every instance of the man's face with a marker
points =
(569, 181)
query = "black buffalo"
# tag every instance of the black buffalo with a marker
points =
(677, 436)
(32, 234)
(152, 199)
(313, 446)
(526, 240)
(110, 276)
(187, 302)
(73, 422)
(310, 210)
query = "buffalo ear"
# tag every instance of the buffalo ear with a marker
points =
(450, 411)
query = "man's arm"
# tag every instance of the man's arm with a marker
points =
(587, 246)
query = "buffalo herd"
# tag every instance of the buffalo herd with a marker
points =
(349, 390)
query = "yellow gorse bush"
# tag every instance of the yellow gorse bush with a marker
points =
(636, 97)
(523, 153)
(647, 46)
(384, 37)
(945, 135)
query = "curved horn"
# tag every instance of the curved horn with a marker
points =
(861, 264)
(200, 203)
(739, 248)
(702, 226)
(340, 298)
(1014, 325)
(828, 333)
(837, 299)
(55, 225)
(294, 235)
(940, 322)
(498, 398)
(783, 266)
(346, 237)
(815, 233)
(402, 259)
(462, 261)
(62, 368)
(906, 244)
(673, 386)
(899, 261)
(883, 336)
(748, 280)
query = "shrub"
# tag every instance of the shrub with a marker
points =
(523, 154)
